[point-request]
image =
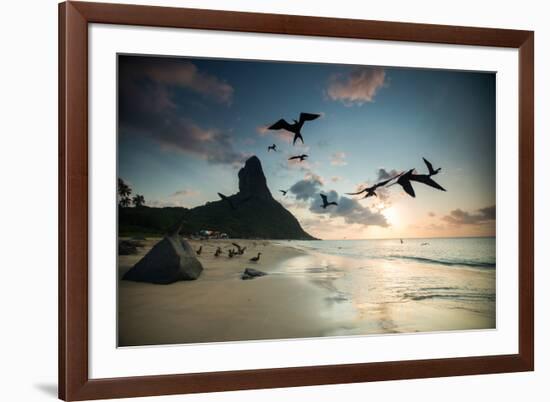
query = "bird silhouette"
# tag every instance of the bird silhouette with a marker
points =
(405, 182)
(325, 202)
(371, 190)
(431, 170)
(227, 199)
(218, 252)
(301, 157)
(295, 127)
(284, 192)
(272, 147)
(240, 250)
(256, 259)
(427, 180)
(406, 178)
(199, 251)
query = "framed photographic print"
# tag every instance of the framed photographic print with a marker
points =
(257, 201)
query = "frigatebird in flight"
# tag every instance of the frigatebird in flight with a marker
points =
(371, 191)
(295, 127)
(272, 147)
(301, 157)
(284, 192)
(431, 170)
(406, 178)
(325, 202)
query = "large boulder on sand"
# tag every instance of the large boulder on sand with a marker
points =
(171, 259)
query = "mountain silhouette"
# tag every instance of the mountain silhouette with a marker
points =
(251, 213)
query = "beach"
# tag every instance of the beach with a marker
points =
(312, 289)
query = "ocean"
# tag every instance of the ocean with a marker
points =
(387, 286)
(473, 252)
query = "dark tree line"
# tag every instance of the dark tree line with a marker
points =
(124, 192)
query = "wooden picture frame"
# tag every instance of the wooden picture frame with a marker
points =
(74, 381)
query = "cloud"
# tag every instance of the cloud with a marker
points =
(212, 145)
(185, 193)
(184, 74)
(179, 198)
(262, 130)
(307, 188)
(358, 87)
(338, 159)
(349, 209)
(336, 179)
(431, 214)
(148, 107)
(383, 174)
(459, 217)
(282, 135)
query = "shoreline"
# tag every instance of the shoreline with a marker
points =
(219, 306)
(306, 294)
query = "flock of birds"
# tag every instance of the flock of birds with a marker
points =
(231, 252)
(404, 179)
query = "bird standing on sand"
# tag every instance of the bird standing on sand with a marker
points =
(218, 252)
(431, 170)
(199, 251)
(371, 190)
(325, 202)
(231, 253)
(284, 192)
(301, 157)
(272, 147)
(240, 250)
(295, 127)
(255, 259)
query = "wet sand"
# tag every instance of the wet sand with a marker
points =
(306, 294)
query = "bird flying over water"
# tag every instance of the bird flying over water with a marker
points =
(272, 147)
(431, 170)
(295, 127)
(325, 202)
(301, 157)
(406, 178)
(371, 190)
(284, 192)
(405, 182)
(427, 180)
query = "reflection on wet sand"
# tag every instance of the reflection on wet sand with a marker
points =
(305, 294)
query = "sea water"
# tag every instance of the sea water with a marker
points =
(402, 286)
(474, 252)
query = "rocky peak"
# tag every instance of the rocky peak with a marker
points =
(252, 179)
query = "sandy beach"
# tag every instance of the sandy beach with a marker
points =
(305, 294)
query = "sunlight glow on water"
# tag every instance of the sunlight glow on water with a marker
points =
(468, 252)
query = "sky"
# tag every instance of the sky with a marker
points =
(187, 125)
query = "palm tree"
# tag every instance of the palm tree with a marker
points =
(124, 192)
(138, 200)
(124, 202)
